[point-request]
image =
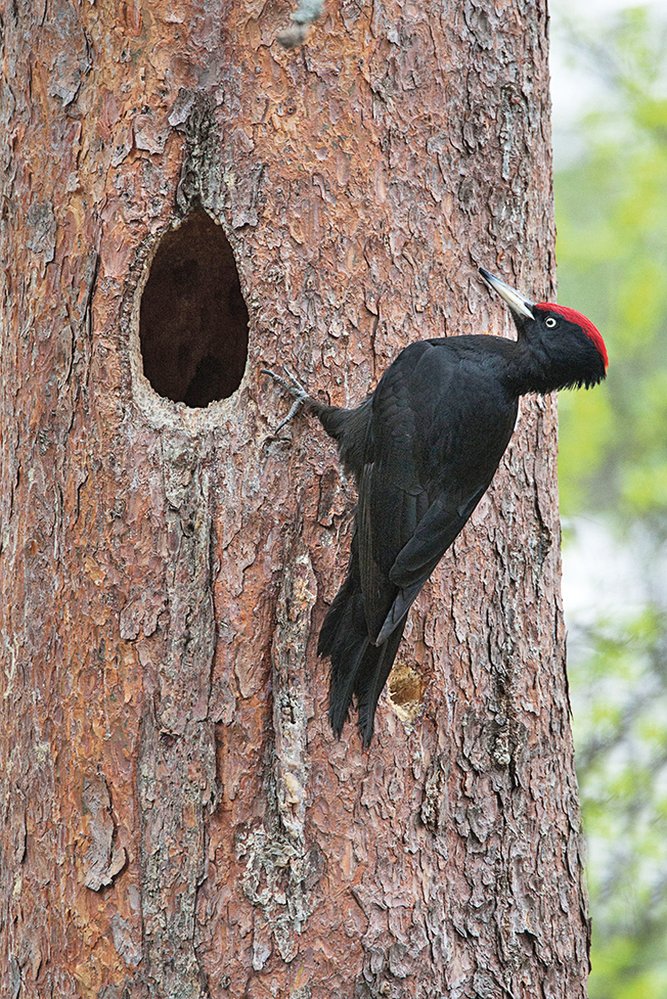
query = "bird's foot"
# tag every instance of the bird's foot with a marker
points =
(292, 385)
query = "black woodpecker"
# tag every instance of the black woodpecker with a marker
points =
(423, 449)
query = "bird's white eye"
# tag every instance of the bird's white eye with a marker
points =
(550, 322)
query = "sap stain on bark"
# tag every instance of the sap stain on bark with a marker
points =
(405, 688)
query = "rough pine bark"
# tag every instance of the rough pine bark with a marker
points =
(177, 819)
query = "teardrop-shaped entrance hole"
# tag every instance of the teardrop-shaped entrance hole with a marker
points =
(193, 321)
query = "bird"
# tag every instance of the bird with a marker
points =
(423, 448)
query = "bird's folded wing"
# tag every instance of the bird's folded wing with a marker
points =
(435, 533)
(419, 556)
(410, 509)
(439, 427)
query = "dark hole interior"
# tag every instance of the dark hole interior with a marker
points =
(193, 323)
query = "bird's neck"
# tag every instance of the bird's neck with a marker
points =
(536, 371)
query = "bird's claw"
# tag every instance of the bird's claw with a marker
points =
(292, 385)
(291, 382)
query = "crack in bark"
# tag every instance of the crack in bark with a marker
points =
(281, 871)
(177, 767)
(201, 149)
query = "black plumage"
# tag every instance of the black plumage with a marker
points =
(423, 449)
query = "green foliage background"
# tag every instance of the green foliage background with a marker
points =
(611, 208)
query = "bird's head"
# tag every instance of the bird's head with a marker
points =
(564, 342)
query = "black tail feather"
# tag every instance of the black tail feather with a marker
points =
(370, 680)
(344, 639)
(358, 669)
(337, 613)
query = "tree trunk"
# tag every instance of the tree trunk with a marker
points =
(178, 819)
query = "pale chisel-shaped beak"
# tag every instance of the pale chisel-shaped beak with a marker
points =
(517, 302)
